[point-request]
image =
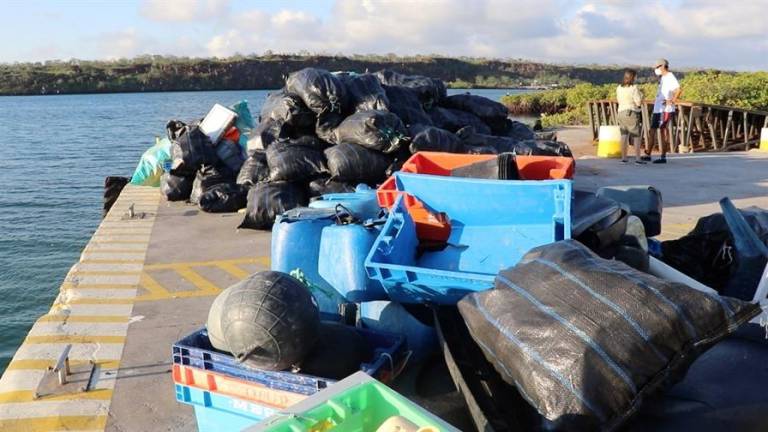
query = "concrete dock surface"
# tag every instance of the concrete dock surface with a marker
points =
(145, 282)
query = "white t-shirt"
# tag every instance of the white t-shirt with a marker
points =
(667, 86)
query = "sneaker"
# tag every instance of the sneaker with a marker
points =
(624, 161)
(662, 160)
(645, 158)
(640, 162)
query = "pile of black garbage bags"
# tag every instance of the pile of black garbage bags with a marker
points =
(327, 132)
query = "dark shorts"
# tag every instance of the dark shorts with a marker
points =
(661, 120)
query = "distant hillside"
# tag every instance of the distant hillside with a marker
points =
(160, 73)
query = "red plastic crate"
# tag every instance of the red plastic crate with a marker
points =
(246, 390)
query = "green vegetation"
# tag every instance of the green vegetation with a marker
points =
(569, 106)
(167, 73)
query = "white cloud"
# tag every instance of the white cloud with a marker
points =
(184, 10)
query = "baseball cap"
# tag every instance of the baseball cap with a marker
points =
(661, 62)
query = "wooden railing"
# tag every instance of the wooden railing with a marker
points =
(698, 127)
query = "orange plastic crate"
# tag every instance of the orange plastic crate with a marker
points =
(250, 391)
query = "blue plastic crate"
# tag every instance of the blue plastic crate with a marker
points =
(196, 351)
(218, 412)
(493, 224)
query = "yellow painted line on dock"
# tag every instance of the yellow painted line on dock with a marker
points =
(234, 270)
(150, 284)
(112, 261)
(86, 318)
(173, 266)
(107, 286)
(78, 272)
(197, 280)
(118, 242)
(98, 301)
(69, 338)
(29, 396)
(44, 364)
(54, 423)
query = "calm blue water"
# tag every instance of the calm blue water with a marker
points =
(54, 154)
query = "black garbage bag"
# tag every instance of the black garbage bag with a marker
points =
(429, 90)
(174, 128)
(587, 339)
(326, 125)
(288, 109)
(224, 198)
(374, 130)
(501, 167)
(404, 102)
(254, 170)
(191, 150)
(208, 176)
(489, 111)
(750, 253)
(480, 149)
(266, 201)
(453, 120)
(176, 188)
(321, 91)
(365, 92)
(230, 154)
(268, 321)
(513, 129)
(353, 163)
(267, 132)
(642, 201)
(547, 148)
(296, 160)
(473, 140)
(430, 138)
(339, 352)
(324, 185)
(113, 185)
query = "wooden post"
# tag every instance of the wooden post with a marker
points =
(728, 126)
(592, 121)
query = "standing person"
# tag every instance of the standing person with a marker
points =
(663, 109)
(630, 100)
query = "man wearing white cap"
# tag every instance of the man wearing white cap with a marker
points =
(663, 109)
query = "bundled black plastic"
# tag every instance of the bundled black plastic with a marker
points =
(502, 167)
(113, 185)
(224, 198)
(325, 128)
(430, 138)
(365, 92)
(208, 176)
(266, 201)
(268, 132)
(296, 160)
(174, 128)
(491, 112)
(230, 154)
(587, 339)
(190, 151)
(324, 185)
(375, 130)
(547, 148)
(338, 353)
(353, 163)
(474, 140)
(320, 90)
(513, 129)
(405, 103)
(254, 170)
(642, 201)
(453, 120)
(176, 188)
(480, 149)
(430, 90)
(288, 109)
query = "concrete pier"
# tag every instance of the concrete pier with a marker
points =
(144, 282)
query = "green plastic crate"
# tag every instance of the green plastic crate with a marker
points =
(358, 403)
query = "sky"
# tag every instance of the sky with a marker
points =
(731, 34)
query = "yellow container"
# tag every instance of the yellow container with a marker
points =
(763, 140)
(609, 142)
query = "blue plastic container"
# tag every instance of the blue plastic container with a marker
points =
(392, 317)
(493, 224)
(361, 203)
(341, 261)
(218, 412)
(196, 351)
(296, 245)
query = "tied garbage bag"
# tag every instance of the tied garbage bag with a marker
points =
(324, 185)
(151, 165)
(224, 198)
(266, 133)
(296, 160)
(353, 163)
(254, 170)
(325, 128)
(206, 177)
(453, 120)
(430, 138)
(230, 153)
(288, 109)
(429, 90)
(587, 339)
(513, 129)
(320, 90)
(190, 151)
(489, 111)
(365, 92)
(404, 102)
(375, 130)
(176, 188)
(547, 148)
(473, 140)
(266, 201)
